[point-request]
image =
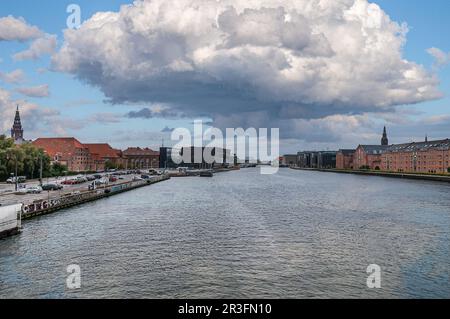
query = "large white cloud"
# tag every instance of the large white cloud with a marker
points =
(288, 59)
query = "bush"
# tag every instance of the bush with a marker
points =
(448, 170)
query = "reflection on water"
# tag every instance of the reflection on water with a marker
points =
(241, 235)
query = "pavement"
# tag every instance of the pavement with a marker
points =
(8, 197)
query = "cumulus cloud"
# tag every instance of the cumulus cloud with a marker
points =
(17, 29)
(35, 91)
(13, 77)
(254, 62)
(39, 47)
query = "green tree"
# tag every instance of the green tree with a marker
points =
(27, 157)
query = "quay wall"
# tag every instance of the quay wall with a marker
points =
(435, 178)
(51, 205)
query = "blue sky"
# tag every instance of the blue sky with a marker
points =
(78, 102)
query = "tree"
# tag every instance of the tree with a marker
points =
(57, 169)
(110, 165)
(27, 156)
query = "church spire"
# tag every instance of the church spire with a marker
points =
(17, 130)
(384, 139)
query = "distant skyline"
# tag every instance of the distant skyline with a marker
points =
(329, 74)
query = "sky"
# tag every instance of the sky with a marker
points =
(328, 74)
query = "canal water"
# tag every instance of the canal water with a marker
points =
(295, 234)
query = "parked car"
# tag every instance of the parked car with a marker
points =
(51, 187)
(137, 178)
(33, 190)
(99, 182)
(20, 179)
(98, 176)
(112, 179)
(90, 178)
(145, 176)
(81, 179)
(69, 182)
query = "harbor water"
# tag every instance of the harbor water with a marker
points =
(296, 234)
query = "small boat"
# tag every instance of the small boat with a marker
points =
(206, 174)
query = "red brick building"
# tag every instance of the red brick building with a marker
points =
(67, 151)
(103, 153)
(420, 157)
(368, 157)
(344, 159)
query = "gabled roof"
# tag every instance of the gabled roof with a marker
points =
(374, 149)
(347, 151)
(137, 151)
(103, 150)
(59, 145)
(420, 146)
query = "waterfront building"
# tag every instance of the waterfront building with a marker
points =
(17, 130)
(140, 158)
(68, 151)
(307, 159)
(314, 159)
(102, 153)
(344, 159)
(290, 160)
(326, 159)
(167, 155)
(418, 157)
(368, 156)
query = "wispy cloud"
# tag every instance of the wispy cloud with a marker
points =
(13, 77)
(35, 91)
(39, 47)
